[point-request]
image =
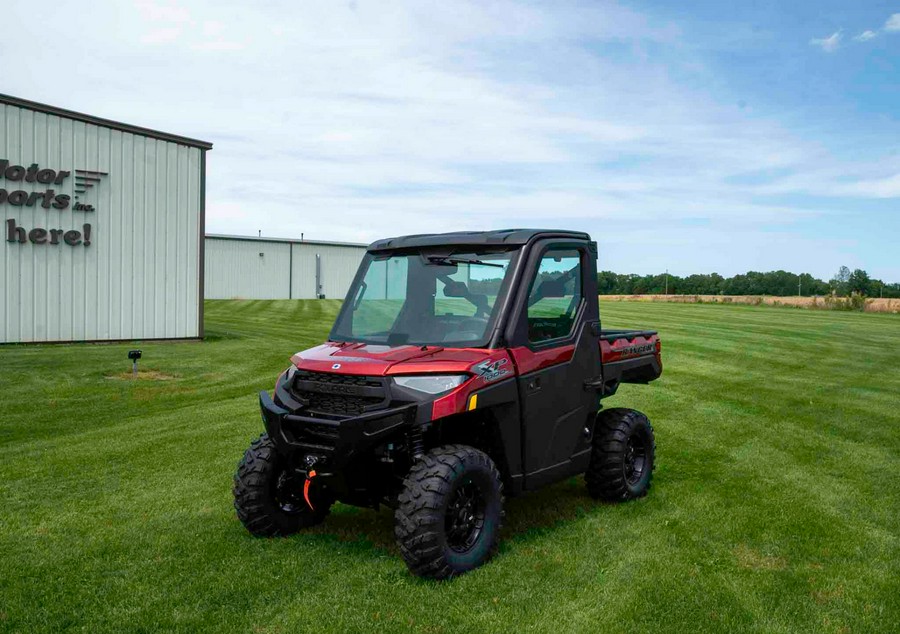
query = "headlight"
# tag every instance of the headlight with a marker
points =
(431, 383)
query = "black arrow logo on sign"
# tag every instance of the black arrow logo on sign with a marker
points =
(85, 179)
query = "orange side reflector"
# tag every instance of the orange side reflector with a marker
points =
(473, 402)
(309, 477)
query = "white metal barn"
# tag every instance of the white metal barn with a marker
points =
(103, 228)
(240, 267)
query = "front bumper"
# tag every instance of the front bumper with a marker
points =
(334, 442)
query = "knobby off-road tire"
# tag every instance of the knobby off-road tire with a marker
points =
(622, 457)
(449, 513)
(268, 496)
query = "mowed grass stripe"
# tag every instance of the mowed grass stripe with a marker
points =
(774, 507)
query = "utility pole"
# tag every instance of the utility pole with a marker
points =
(799, 282)
(667, 281)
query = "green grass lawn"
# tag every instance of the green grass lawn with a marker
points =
(775, 504)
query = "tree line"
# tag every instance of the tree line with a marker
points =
(779, 283)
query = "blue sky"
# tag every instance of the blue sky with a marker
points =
(697, 137)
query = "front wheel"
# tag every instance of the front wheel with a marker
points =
(449, 512)
(268, 493)
(623, 456)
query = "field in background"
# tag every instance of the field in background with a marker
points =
(774, 507)
(869, 305)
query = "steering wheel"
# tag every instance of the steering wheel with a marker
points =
(474, 323)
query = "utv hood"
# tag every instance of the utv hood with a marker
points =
(381, 360)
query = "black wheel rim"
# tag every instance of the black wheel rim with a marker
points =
(464, 521)
(635, 459)
(288, 492)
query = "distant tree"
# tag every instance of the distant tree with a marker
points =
(807, 282)
(840, 282)
(755, 283)
(859, 282)
(642, 285)
(778, 283)
(811, 286)
(702, 284)
(889, 290)
(881, 289)
(607, 283)
(736, 285)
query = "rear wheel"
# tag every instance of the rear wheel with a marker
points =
(449, 513)
(623, 456)
(268, 493)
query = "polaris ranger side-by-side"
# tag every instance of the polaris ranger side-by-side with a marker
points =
(461, 367)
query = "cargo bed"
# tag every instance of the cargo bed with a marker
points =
(629, 356)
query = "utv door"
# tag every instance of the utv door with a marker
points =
(558, 332)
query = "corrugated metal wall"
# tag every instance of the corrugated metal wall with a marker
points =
(238, 269)
(235, 269)
(338, 267)
(140, 277)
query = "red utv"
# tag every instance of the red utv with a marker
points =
(462, 367)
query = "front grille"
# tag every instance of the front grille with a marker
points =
(338, 394)
(327, 378)
(340, 405)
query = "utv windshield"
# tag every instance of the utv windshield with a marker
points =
(426, 298)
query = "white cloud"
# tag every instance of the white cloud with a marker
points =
(893, 23)
(162, 36)
(888, 187)
(218, 44)
(163, 11)
(865, 36)
(352, 122)
(828, 44)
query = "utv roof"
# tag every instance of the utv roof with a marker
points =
(474, 238)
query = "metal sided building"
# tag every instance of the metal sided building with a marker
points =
(241, 267)
(103, 228)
